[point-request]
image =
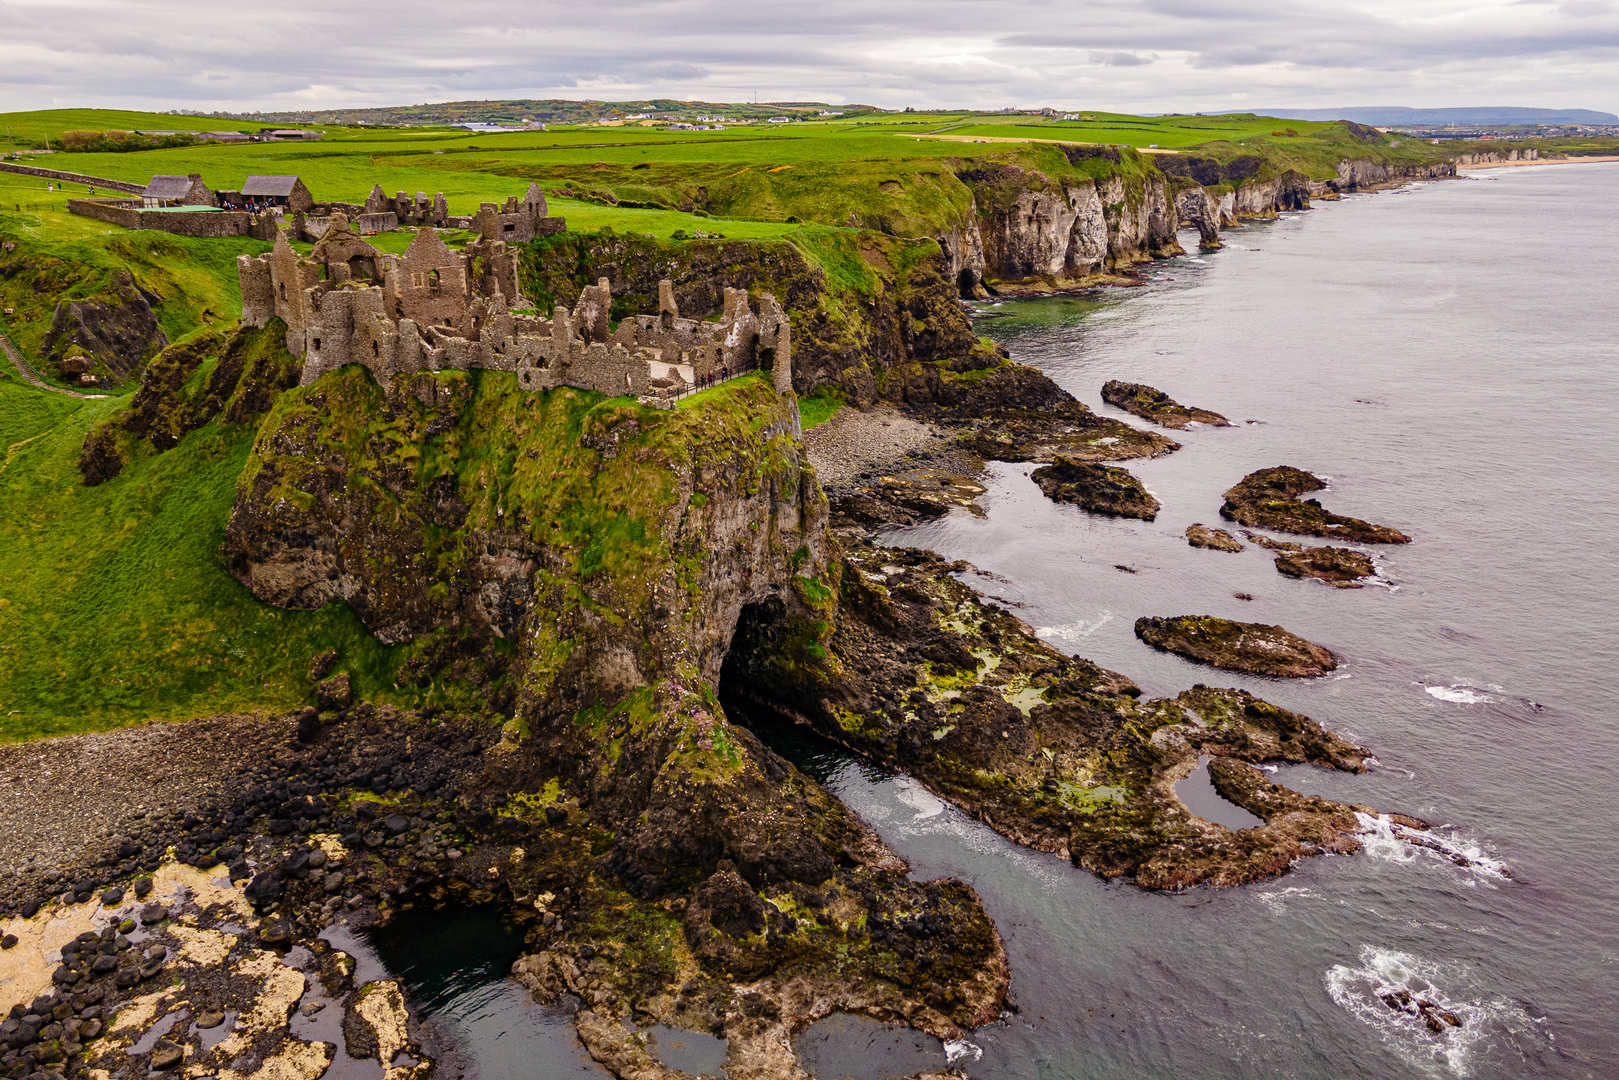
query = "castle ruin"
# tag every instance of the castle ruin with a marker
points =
(434, 309)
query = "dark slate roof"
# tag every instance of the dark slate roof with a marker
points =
(269, 185)
(168, 187)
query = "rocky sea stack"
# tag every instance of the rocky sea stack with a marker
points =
(1252, 648)
(1342, 568)
(1155, 405)
(1269, 499)
(1100, 489)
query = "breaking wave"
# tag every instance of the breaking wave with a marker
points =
(1428, 1012)
(1460, 694)
(1076, 630)
(1389, 840)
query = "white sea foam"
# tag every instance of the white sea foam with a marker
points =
(1387, 840)
(960, 1049)
(1362, 991)
(1076, 630)
(918, 798)
(1277, 899)
(1460, 694)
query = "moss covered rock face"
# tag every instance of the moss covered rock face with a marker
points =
(606, 552)
(1252, 648)
(1269, 499)
(1100, 489)
(1157, 406)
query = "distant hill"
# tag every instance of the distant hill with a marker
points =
(1390, 115)
(543, 111)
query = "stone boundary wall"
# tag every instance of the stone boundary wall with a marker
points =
(72, 177)
(223, 223)
(116, 212)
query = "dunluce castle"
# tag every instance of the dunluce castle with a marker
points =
(435, 309)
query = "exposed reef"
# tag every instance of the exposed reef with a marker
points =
(1157, 406)
(1270, 543)
(1099, 489)
(1342, 568)
(1052, 751)
(1252, 648)
(1269, 499)
(1202, 536)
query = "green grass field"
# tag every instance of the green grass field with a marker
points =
(68, 257)
(114, 605)
(22, 129)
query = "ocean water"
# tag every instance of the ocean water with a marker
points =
(1448, 356)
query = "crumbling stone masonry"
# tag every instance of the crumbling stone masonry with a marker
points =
(434, 309)
(519, 220)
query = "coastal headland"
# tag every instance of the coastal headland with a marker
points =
(477, 570)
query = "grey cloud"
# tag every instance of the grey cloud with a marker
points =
(1150, 55)
(1119, 59)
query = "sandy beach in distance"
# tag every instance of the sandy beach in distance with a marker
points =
(1538, 161)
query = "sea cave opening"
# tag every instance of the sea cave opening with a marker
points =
(756, 691)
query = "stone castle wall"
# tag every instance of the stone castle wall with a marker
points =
(434, 309)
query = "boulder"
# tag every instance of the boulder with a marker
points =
(1201, 536)
(1269, 499)
(1342, 568)
(336, 693)
(1252, 648)
(1099, 489)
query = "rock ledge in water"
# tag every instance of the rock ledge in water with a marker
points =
(1155, 405)
(1200, 535)
(1252, 648)
(1342, 568)
(1268, 499)
(1100, 489)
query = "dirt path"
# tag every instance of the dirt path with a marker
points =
(29, 375)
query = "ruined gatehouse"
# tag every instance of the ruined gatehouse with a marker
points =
(434, 309)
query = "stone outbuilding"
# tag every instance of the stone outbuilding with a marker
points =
(285, 193)
(189, 190)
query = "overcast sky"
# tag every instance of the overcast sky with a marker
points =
(1135, 55)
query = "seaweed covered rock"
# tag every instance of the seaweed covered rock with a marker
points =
(1099, 489)
(1342, 568)
(1018, 432)
(1270, 543)
(1252, 648)
(1051, 751)
(1157, 406)
(1201, 536)
(1269, 499)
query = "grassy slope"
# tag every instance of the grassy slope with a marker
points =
(114, 605)
(67, 257)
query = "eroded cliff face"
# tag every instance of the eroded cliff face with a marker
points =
(1081, 229)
